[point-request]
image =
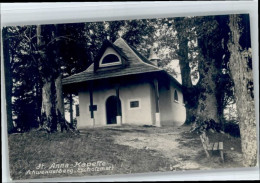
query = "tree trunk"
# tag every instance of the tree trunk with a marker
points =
(52, 111)
(243, 79)
(48, 110)
(8, 81)
(38, 99)
(189, 93)
(207, 103)
(71, 109)
(59, 103)
(221, 118)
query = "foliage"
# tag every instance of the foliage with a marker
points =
(26, 83)
(232, 127)
(203, 55)
(211, 36)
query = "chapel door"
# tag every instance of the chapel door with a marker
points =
(111, 109)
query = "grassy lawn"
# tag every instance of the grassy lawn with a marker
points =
(114, 150)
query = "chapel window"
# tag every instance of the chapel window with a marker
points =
(175, 96)
(111, 58)
(77, 110)
(134, 104)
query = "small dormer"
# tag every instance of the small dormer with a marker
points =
(110, 58)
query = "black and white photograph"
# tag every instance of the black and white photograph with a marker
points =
(129, 96)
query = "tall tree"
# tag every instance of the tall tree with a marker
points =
(74, 57)
(24, 80)
(224, 81)
(203, 55)
(207, 104)
(215, 83)
(8, 82)
(183, 27)
(241, 70)
(52, 110)
(140, 34)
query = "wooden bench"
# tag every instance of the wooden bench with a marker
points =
(209, 147)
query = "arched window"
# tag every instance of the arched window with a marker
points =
(175, 96)
(111, 58)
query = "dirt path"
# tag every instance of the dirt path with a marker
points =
(183, 149)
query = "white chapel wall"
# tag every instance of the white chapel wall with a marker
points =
(141, 115)
(127, 93)
(165, 104)
(178, 108)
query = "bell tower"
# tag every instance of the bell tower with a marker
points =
(153, 57)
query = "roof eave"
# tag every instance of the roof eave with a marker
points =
(69, 83)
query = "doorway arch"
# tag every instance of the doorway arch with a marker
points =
(111, 109)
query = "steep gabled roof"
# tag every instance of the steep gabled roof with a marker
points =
(133, 63)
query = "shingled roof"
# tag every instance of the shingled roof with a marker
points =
(135, 64)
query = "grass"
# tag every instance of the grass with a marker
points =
(28, 150)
